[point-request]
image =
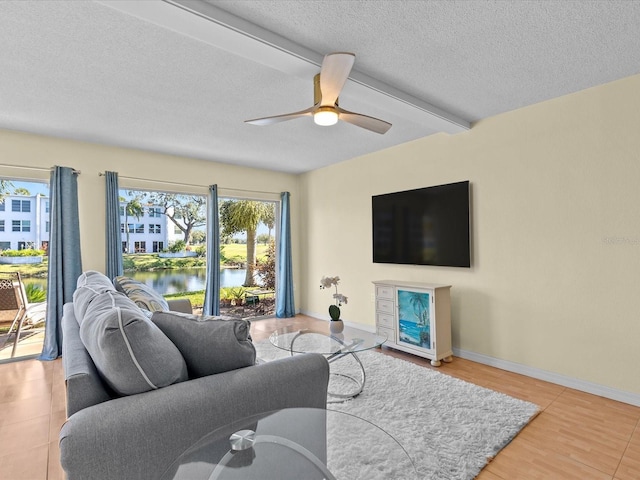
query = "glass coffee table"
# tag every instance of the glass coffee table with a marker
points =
(347, 380)
(295, 443)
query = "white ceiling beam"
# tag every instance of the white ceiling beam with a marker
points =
(206, 23)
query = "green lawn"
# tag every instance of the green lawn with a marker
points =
(144, 262)
(233, 252)
(27, 269)
(196, 298)
(237, 252)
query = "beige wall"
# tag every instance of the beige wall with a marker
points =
(555, 281)
(39, 151)
(556, 225)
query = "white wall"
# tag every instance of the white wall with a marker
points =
(555, 281)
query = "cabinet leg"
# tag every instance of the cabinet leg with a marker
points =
(435, 363)
(448, 359)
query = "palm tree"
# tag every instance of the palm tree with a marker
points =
(132, 208)
(420, 304)
(269, 218)
(238, 216)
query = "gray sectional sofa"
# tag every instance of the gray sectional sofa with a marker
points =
(141, 388)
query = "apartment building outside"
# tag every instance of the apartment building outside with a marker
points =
(151, 232)
(24, 223)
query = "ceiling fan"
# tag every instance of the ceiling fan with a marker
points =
(327, 86)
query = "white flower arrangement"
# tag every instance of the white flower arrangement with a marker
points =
(328, 282)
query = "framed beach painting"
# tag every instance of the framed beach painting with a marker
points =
(414, 318)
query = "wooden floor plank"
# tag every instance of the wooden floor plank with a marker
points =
(576, 436)
(629, 468)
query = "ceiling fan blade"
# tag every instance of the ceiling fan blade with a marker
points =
(333, 75)
(282, 118)
(364, 121)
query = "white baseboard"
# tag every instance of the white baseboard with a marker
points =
(576, 384)
(565, 381)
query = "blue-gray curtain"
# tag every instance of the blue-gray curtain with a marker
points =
(284, 274)
(65, 264)
(212, 289)
(112, 226)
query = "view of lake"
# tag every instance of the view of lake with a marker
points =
(174, 281)
(186, 279)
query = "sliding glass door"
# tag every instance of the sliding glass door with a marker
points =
(24, 241)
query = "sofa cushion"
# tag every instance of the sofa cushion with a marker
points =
(89, 284)
(209, 345)
(143, 295)
(131, 354)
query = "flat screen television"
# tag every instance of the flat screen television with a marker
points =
(426, 226)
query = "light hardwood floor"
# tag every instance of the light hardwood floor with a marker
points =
(576, 435)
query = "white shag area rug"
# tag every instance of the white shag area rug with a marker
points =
(449, 428)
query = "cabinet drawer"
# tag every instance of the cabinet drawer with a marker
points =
(384, 291)
(389, 333)
(384, 320)
(385, 306)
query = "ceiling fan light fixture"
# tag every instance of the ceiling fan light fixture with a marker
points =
(325, 116)
(327, 86)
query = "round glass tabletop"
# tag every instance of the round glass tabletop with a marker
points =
(295, 443)
(321, 340)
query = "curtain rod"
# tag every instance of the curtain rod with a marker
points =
(39, 169)
(101, 174)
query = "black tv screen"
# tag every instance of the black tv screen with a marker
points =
(426, 226)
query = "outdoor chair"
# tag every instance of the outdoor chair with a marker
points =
(251, 301)
(13, 298)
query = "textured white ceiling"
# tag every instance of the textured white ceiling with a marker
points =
(88, 71)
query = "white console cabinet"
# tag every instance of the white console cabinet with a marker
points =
(415, 317)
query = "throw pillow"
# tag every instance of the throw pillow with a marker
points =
(209, 345)
(89, 284)
(131, 354)
(143, 296)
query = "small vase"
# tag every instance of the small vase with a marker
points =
(336, 326)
